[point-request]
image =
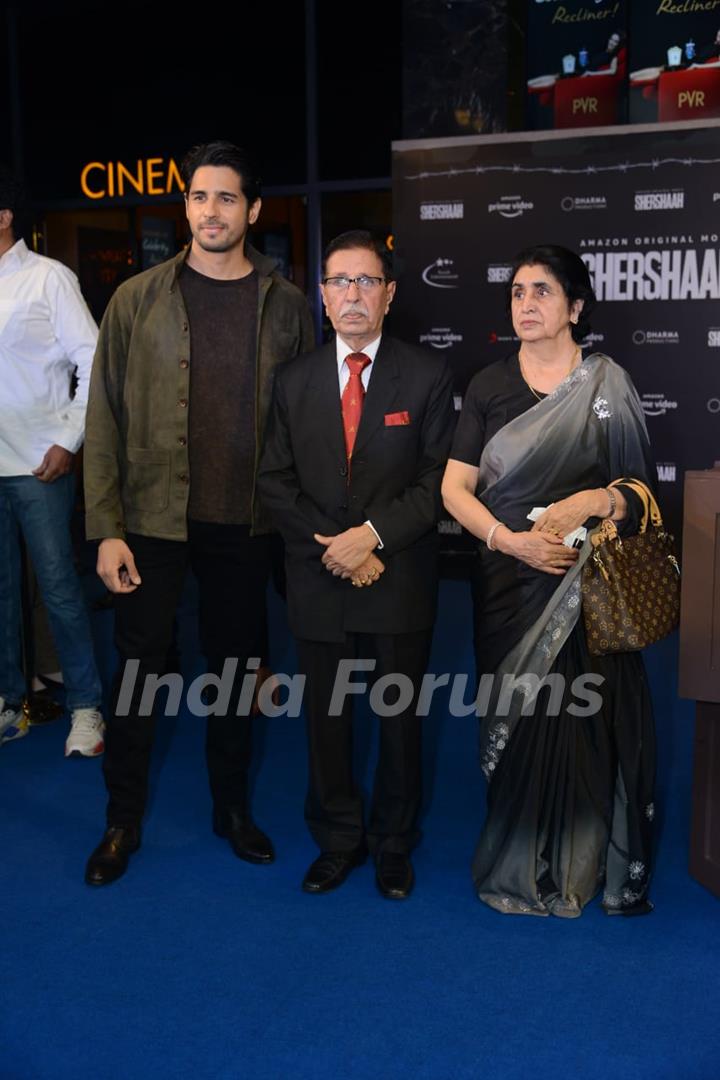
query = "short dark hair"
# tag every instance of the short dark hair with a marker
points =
(570, 271)
(12, 197)
(360, 238)
(224, 153)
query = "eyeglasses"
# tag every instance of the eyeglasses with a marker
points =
(342, 283)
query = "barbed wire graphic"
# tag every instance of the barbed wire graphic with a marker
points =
(559, 170)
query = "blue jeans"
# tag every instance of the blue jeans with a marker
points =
(42, 512)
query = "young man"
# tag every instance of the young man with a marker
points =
(355, 452)
(46, 335)
(178, 404)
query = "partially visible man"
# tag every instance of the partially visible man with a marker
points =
(178, 403)
(46, 335)
(355, 452)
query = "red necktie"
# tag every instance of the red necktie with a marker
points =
(352, 398)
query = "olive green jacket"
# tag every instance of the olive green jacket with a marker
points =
(137, 475)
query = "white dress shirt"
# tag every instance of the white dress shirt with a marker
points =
(46, 333)
(343, 350)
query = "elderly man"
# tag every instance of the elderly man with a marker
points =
(46, 335)
(356, 447)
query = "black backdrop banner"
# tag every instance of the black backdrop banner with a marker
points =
(642, 207)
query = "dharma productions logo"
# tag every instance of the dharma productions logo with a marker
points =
(583, 202)
(656, 337)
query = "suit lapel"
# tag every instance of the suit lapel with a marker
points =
(324, 384)
(381, 394)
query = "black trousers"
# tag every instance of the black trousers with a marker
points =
(333, 808)
(232, 570)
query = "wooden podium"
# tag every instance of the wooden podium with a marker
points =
(700, 664)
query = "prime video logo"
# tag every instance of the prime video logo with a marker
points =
(510, 206)
(389, 695)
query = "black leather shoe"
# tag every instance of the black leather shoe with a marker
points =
(394, 875)
(110, 858)
(247, 841)
(330, 870)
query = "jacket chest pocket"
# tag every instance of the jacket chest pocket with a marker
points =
(398, 437)
(147, 480)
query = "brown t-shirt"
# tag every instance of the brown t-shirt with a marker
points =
(221, 421)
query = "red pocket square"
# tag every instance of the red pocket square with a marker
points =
(397, 419)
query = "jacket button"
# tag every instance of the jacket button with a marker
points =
(185, 326)
(183, 403)
(183, 364)
(343, 470)
(343, 506)
(183, 477)
(182, 440)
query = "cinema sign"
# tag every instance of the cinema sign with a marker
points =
(116, 180)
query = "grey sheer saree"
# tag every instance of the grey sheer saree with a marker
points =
(569, 774)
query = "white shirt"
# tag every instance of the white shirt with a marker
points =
(46, 333)
(343, 350)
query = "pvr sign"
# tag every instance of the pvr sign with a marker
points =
(585, 106)
(691, 99)
(115, 180)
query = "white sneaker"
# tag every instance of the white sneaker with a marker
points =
(86, 734)
(14, 724)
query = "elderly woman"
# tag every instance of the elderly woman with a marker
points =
(569, 781)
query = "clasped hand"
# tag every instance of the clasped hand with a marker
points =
(348, 550)
(367, 574)
(350, 555)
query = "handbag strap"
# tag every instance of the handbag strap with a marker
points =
(651, 510)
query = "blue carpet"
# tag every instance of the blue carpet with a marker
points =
(198, 965)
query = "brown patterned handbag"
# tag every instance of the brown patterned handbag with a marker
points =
(631, 586)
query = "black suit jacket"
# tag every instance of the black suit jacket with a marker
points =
(394, 482)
